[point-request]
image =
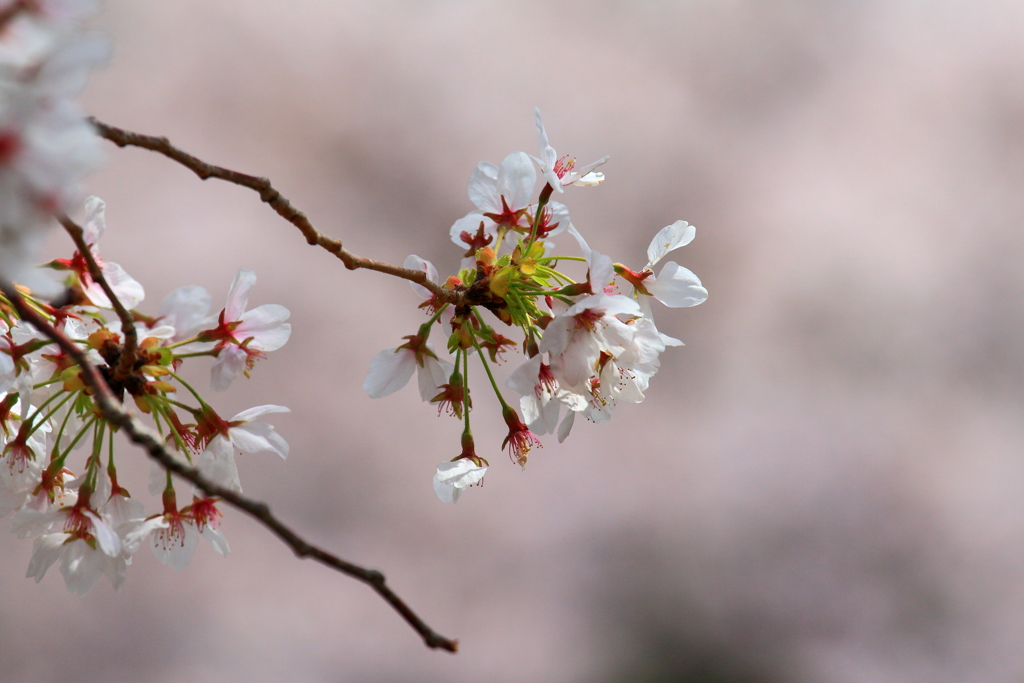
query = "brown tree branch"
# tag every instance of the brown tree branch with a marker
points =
(269, 194)
(126, 364)
(115, 413)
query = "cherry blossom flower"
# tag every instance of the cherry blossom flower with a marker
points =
(520, 439)
(175, 543)
(243, 433)
(243, 337)
(186, 310)
(576, 338)
(391, 369)
(675, 286)
(127, 290)
(466, 470)
(562, 171)
(452, 478)
(502, 196)
(542, 396)
(87, 549)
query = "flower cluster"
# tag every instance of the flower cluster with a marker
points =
(589, 343)
(46, 145)
(79, 513)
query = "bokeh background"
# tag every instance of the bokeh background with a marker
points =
(825, 484)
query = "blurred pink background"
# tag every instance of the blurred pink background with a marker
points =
(825, 484)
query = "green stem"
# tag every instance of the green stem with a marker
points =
(181, 405)
(197, 354)
(110, 454)
(465, 384)
(183, 342)
(487, 368)
(192, 391)
(93, 463)
(32, 417)
(60, 435)
(58, 462)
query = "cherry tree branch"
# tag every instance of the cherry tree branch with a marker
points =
(278, 202)
(114, 412)
(131, 337)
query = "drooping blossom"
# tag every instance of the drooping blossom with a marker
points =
(542, 396)
(391, 369)
(452, 478)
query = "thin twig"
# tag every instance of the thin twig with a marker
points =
(126, 364)
(141, 435)
(269, 194)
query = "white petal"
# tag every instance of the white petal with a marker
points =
(677, 287)
(592, 179)
(229, 364)
(6, 372)
(547, 421)
(602, 271)
(126, 288)
(390, 370)
(80, 574)
(217, 463)
(579, 238)
(414, 262)
(238, 294)
(470, 223)
(452, 477)
(608, 304)
(559, 216)
(524, 378)
(516, 179)
(542, 135)
(548, 156)
(267, 327)
(250, 414)
(556, 336)
(94, 223)
(679, 234)
(670, 341)
(566, 426)
(45, 551)
(483, 188)
(431, 376)
(217, 540)
(185, 309)
(133, 537)
(584, 176)
(258, 437)
(175, 551)
(106, 539)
